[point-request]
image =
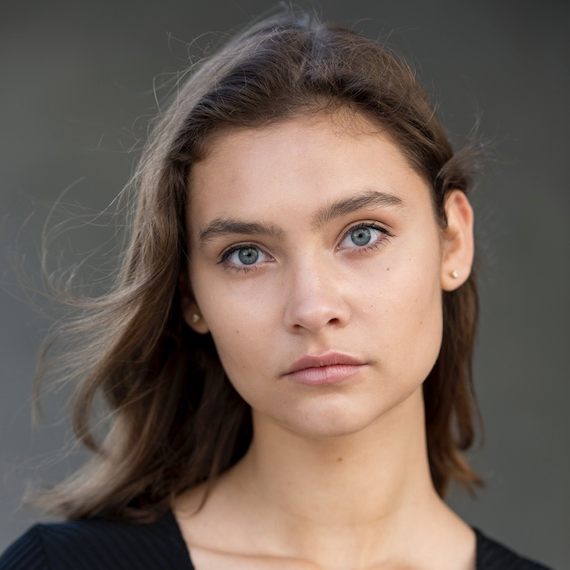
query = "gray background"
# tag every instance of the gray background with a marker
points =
(76, 93)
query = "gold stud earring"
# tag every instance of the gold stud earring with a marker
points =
(195, 318)
(455, 274)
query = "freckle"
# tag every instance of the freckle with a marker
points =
(339, 459)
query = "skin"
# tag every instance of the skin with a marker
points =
(337, 474)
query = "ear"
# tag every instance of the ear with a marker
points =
(458, 242)
(191, 312)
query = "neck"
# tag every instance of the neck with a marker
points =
(371, 488)
(354, 479)
(344, 502)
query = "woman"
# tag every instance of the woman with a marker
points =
(286, 355)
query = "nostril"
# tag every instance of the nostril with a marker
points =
(315, 299)
(317, 316)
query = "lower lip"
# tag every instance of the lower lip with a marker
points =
(321, 375)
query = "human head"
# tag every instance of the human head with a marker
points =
(175, 408)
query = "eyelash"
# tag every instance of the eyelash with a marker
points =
(362, 225)
(238, 268)
(377, 243)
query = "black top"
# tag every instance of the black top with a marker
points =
(100, 544)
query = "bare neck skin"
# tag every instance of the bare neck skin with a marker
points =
(361, 501)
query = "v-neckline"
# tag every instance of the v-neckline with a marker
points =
(171, 523)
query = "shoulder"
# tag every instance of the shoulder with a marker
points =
(26, 553)
(98, 543)
(492, 555)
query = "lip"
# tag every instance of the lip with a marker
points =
(328, 368)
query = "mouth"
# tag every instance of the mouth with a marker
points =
(328, 368)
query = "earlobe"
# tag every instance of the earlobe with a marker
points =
(458, 246)
(193, 317)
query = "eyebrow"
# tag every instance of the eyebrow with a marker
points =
(340, 208)
(229, 226)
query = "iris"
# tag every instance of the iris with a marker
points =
(361, 236)
(248, 255)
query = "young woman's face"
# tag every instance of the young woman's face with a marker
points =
(316, 263)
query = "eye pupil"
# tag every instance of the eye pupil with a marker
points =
(361, 236)
(248, 255)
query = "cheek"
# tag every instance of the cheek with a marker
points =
(425, 328)
(239, 319)
(245, 354)
(409, 316)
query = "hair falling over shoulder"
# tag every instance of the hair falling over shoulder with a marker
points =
(174, 418)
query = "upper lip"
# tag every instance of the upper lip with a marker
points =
(327, 359)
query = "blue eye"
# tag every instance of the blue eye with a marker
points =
(363, 235)
(248, 255)
(244, 255)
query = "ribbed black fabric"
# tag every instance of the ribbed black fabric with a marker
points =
(99, 544)
(494, 556)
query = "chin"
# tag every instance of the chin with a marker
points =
(342, 417)
(328, 423)
(332, 431)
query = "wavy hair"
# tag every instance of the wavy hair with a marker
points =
(174, 418)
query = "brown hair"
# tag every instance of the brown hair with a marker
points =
(174, 418)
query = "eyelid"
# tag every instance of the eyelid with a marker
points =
(366, 224)
(230, 266)
(223, 258)
(236, 247)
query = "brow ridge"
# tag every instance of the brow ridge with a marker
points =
(347, 206)
(229, 226)
(226, 226)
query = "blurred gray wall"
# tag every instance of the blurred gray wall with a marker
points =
(76, 93)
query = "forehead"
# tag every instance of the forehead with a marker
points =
(298, 165)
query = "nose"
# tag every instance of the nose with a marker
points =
(315, 298)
